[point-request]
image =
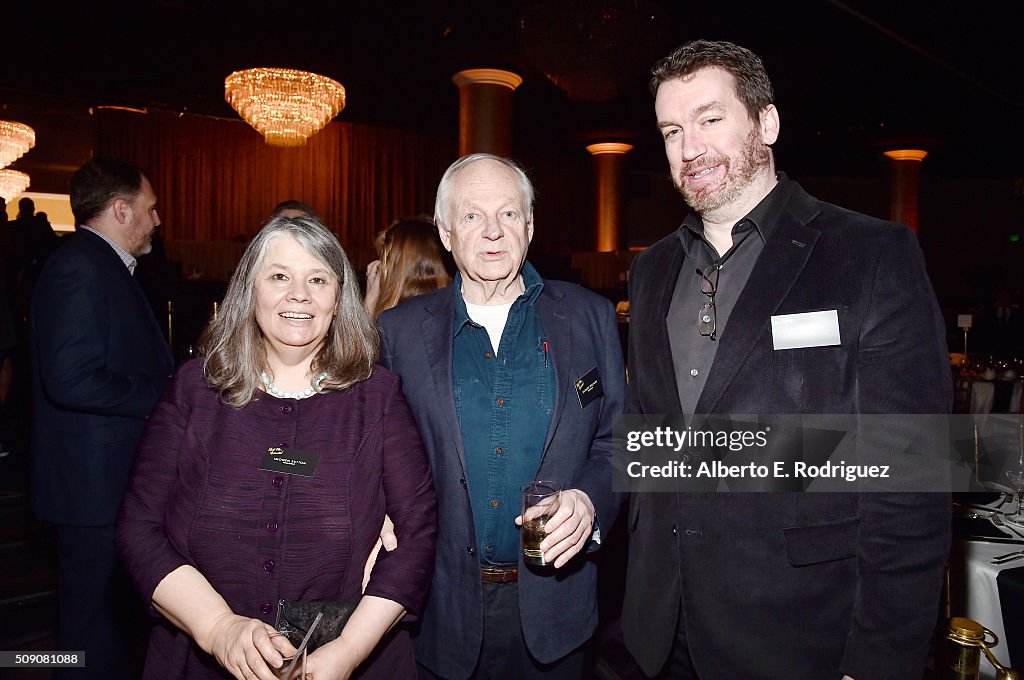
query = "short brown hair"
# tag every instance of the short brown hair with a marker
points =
(98, 182)
(292, 204)
(753, 87)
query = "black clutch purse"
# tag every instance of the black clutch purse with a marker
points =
(294, 617)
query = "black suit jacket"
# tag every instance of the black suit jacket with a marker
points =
(794, 585)
(99, 364)
(558, 608)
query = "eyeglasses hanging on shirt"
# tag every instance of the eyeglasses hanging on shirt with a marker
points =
(707, 320)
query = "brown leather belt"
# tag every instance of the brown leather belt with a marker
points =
(498, 573)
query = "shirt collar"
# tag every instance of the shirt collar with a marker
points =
(126, 257)
(762, 218)
(531, 280)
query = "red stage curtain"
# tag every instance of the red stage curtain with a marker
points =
(217, 180)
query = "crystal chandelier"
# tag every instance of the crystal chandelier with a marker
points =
(286, 106)
(15, 140)
(12, 183)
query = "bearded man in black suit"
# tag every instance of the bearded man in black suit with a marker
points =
(99, 364)
(768, 301)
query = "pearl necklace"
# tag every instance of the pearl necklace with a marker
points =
(313, 388)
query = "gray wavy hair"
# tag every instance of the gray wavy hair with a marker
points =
(233, 345)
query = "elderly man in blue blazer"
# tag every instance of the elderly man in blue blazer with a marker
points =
(768, 301)
(99, 364)
(511, 378)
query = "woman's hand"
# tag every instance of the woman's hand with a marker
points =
(333, 661)
(248, 648)
(371, 620)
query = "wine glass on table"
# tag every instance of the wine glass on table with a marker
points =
(1015, 476)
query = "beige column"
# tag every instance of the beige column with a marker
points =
(609, 175)
(485, 110)
(904, 185)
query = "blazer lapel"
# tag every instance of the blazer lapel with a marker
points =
(437, 342)
(557, 323)
(777, 268)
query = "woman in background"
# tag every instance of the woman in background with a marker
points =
(412, 262)
(265, 473)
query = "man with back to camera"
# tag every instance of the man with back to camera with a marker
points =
(99, 364)
(776, 585)
(491, 366)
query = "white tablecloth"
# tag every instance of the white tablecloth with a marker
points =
(983, 395)
(974, 593)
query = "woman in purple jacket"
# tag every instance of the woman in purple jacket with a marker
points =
(265, 473)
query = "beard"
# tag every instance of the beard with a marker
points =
(143, 246)
(740, 172)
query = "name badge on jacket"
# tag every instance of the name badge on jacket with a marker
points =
(588, 387)
(290, 461)
(809, 329)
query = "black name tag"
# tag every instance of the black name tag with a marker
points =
(588, 388)
(290, 461)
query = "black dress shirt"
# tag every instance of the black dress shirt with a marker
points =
(693, 353)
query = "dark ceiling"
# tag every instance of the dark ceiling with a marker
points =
(850, 77)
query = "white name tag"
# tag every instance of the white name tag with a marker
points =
(810, 329)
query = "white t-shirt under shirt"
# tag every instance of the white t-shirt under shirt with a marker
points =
(491, 317)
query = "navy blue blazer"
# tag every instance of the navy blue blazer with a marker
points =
(99, 364)
(794, 585)
(559, 611)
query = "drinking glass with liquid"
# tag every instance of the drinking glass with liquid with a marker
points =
(540, 502)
